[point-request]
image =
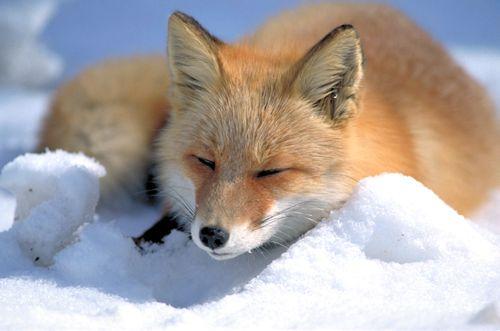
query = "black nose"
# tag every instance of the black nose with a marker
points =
(213, 237)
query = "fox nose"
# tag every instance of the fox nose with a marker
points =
(213, 237)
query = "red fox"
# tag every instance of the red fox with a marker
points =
(257, 141)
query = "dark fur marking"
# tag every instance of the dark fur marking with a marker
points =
(189, 20)
(159, 231)
(151, 186)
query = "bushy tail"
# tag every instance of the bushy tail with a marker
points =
(111, 112)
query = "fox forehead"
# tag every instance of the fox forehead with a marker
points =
(240, 123)
(246, 65)
(251, 118)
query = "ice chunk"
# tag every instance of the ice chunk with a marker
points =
(56, 192)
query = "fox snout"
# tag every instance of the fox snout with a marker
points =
(225, 231)
(227, 237)
(213, 237)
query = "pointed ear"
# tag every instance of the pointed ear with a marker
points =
(192, 54)
(329, 75)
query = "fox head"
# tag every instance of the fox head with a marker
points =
(254, 150)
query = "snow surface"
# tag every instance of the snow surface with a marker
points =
(388, 257)
(394, 257)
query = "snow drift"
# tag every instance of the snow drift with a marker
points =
(394, 256)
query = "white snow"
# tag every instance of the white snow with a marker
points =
(24, 60)
(55, 194)
(7, 209)
(394, 257)
(386, 256)
(484, 65)
(20, 117)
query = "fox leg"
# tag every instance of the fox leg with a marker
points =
(111, 112)
(163, 227)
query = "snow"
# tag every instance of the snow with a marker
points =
(395, 256)
(20, 117)
(388, 257)
(24, 60)
(483, 63)
(7, 209)
(55, 193)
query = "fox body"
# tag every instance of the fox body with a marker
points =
(264, 137)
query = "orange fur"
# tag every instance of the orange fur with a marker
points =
(112, 112)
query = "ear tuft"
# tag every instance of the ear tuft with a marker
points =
(192, 54)
(329, 75)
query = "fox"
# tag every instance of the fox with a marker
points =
(256, 142)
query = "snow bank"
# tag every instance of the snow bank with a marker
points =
(55, 194)
(24, 61)
(395, 256)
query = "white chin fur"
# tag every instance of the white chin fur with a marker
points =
(228, 251)
(180, 192)
(224, 257)
(294, 217)
(195, 235)
(288, 220)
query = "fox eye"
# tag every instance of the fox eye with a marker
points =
(268, 172)
(208, 163)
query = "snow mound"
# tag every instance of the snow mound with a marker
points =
(395, 256)
(55, 194)
(418, 227)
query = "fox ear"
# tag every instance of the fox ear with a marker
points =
(329, 75)
(192, 54)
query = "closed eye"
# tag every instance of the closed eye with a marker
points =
(268, 172)
(207, 163)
